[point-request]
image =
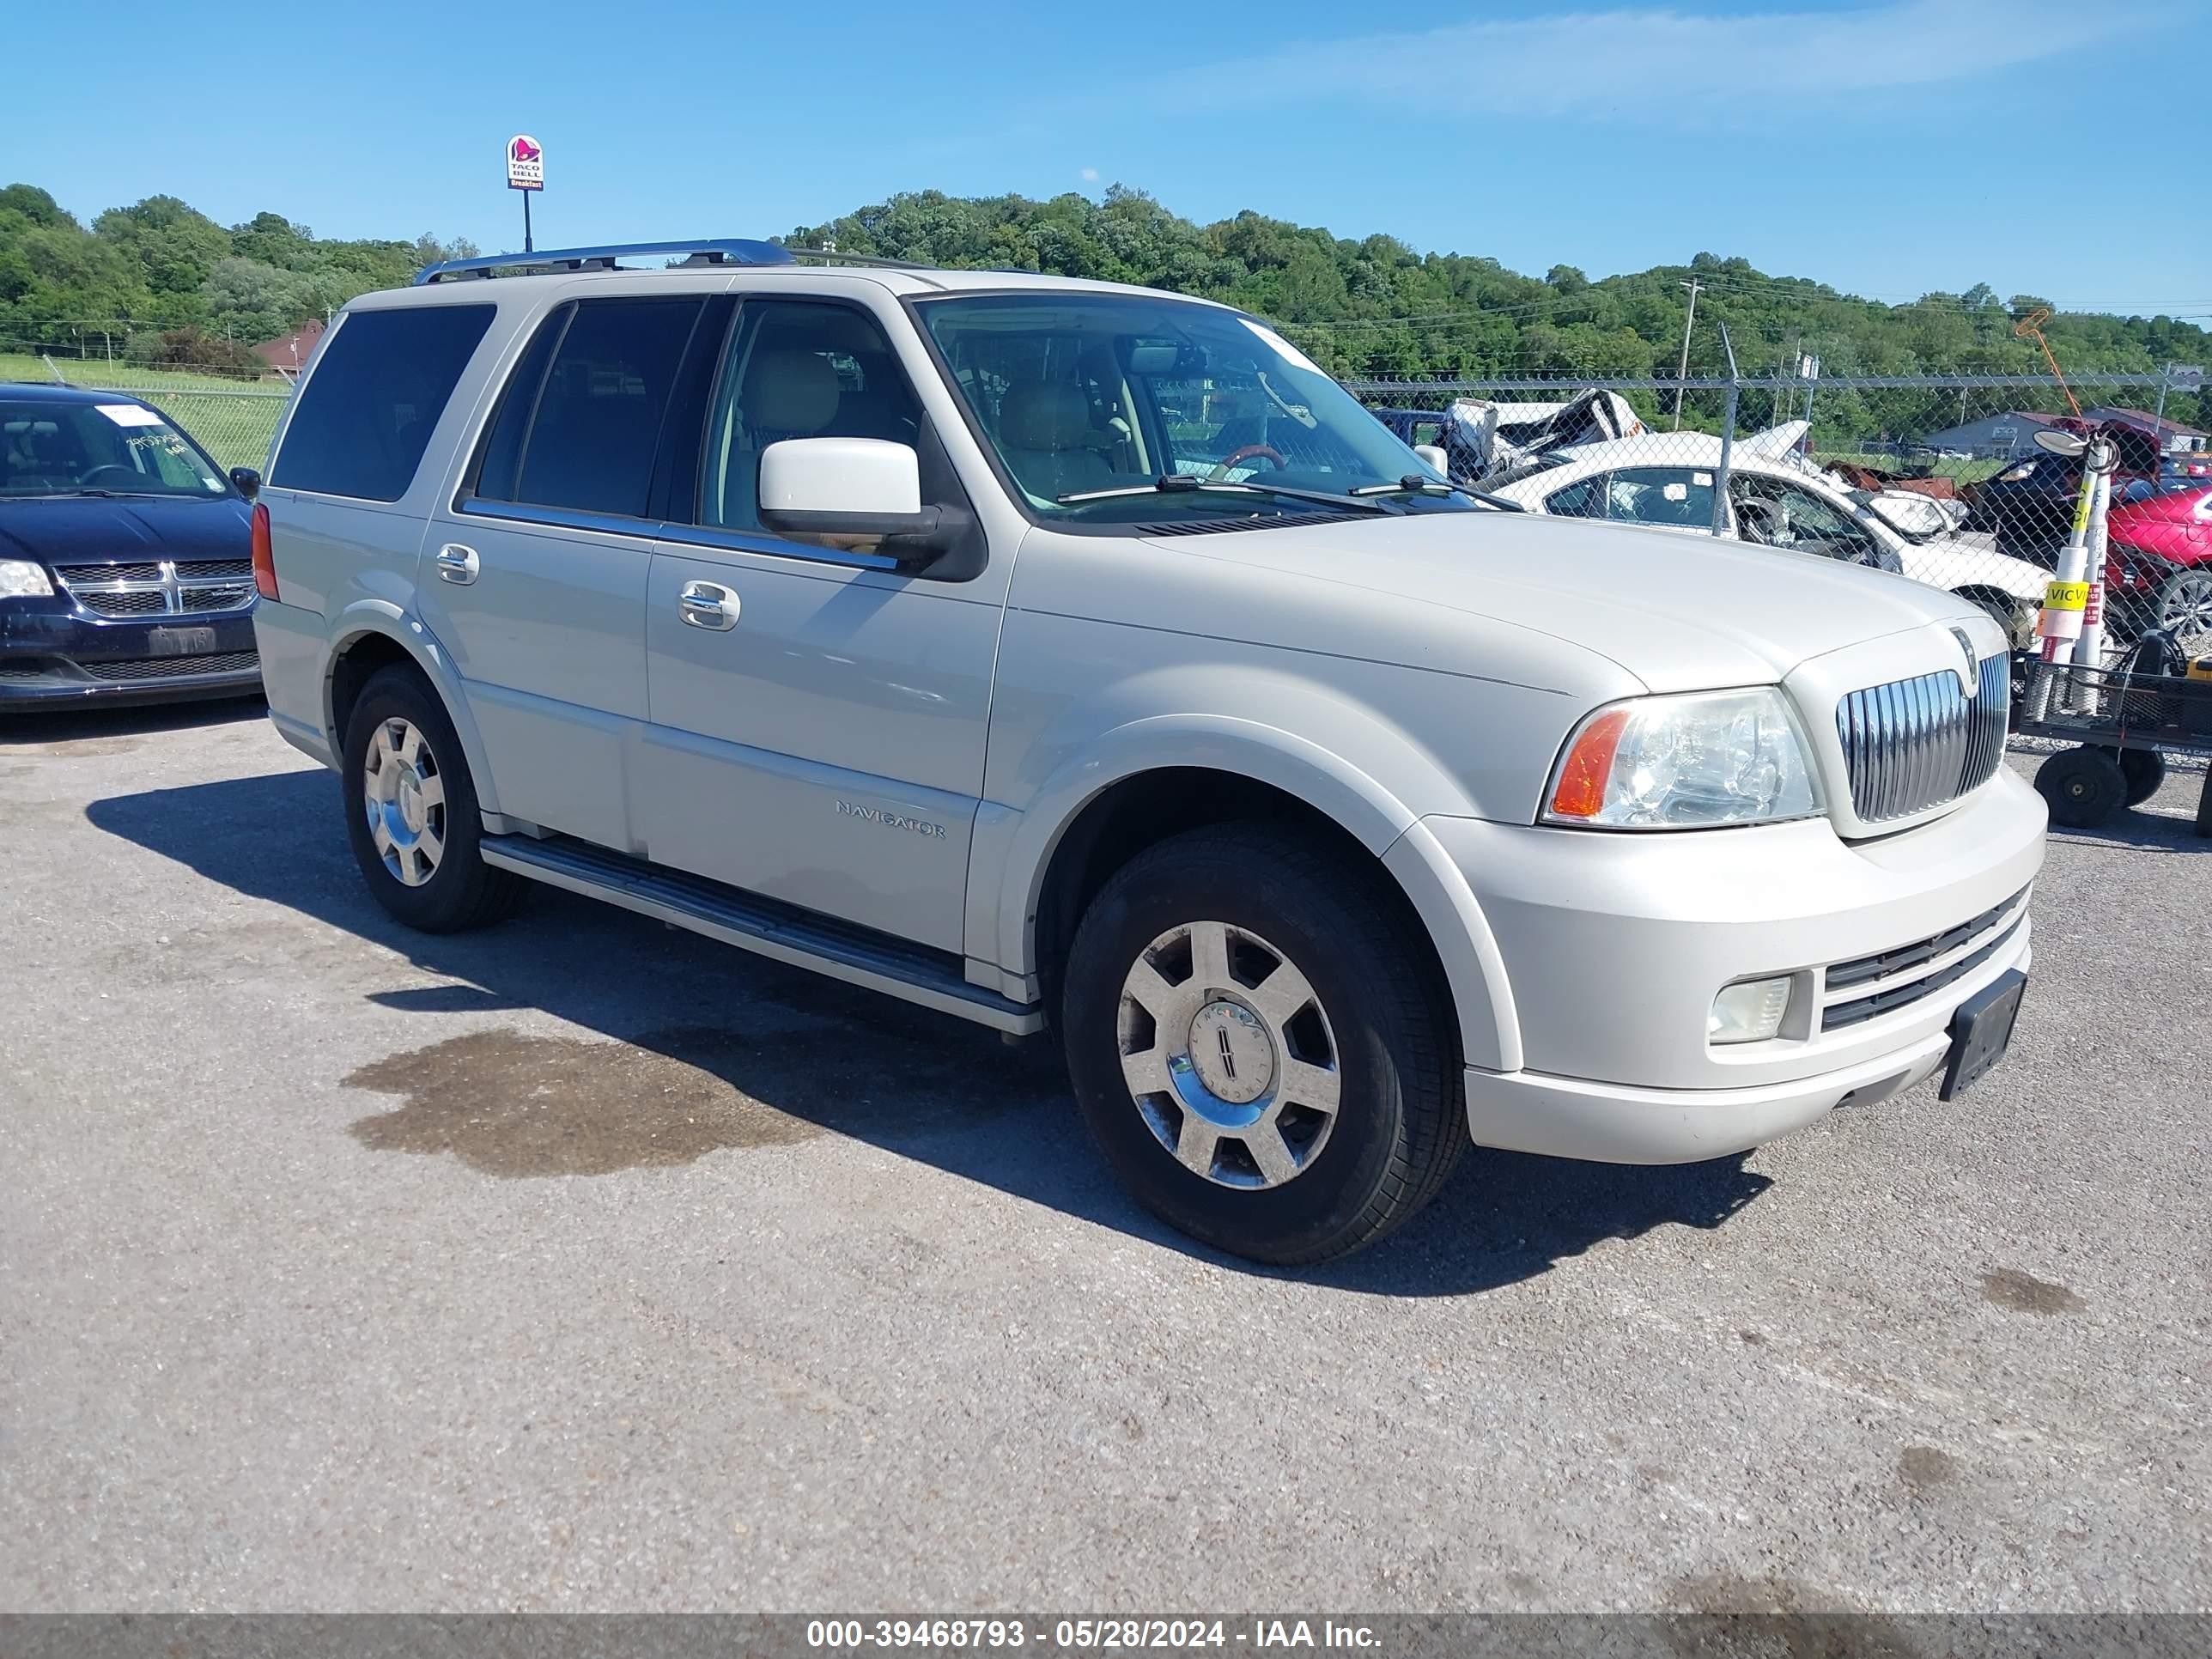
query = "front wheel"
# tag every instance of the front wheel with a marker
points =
(1266, 1063)
(411, 811)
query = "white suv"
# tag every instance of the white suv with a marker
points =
(1054, 653)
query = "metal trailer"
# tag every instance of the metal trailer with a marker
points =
(2122, 726)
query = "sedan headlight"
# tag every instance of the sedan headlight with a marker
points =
(21, 579)
(1683, 763)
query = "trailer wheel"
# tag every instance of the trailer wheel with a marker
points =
(2083, 785)
(2144, 770)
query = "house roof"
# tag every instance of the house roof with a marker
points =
(2148, 421)
(290, 350)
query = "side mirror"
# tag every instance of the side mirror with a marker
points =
(853, 489)
(1435, 456)
(246, 480)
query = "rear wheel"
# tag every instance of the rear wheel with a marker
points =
(1263, 1061)
(2185, 605)
(2144, 771)
(411, 811)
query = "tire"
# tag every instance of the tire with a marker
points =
(2185, 605)
(419, 849)
(2083, 785)
(2144, 771)
(1269, 1168)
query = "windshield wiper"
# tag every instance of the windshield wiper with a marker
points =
(1414, 484)
(1179, 483)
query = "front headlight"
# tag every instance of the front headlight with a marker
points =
(2014, 474)
(21, 579)
(1683, 763)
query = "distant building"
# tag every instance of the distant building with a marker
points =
(1994, 437)
(2173, 437)
(288, 353)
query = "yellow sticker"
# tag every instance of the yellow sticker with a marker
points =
(2066, 596)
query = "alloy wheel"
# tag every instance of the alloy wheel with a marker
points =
(404, 793)
(1229, 1055)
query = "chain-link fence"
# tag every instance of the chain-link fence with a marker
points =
(232, 419)
(1937, 477)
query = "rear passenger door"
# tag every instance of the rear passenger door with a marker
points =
(822, 741)
(533, 577)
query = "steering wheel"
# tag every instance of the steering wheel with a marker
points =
(1763, 521)
(1249, 451)
(131, 474)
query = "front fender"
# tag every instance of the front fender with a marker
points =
(1013, 850)
(381, 617)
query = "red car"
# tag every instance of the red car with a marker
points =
(2159, 571)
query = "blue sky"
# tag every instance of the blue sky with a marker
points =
(1884, 145)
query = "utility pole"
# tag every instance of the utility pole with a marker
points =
(1683, 372)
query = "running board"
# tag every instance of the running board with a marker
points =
(858, 955)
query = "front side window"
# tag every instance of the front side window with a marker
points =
(1078, 395)
(112, 448)
(579, 424)
(1780, 514)
(366, 414)
(796, 370)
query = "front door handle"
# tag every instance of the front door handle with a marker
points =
(457, 564)
(707, 604)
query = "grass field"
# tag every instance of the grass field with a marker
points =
(232, 419)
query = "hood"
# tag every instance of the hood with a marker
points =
(124, 529)
(1679, 612)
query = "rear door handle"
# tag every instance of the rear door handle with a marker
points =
(707, 604)
(457, 564)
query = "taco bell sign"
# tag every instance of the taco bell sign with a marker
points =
(525, 163)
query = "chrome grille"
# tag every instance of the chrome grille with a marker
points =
(167, 588)
(1915, 744)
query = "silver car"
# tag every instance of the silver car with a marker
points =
(1058, 654)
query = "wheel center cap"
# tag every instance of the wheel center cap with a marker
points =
(409, 794)
(1232, 1053)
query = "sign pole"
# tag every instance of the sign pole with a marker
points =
(526, 246)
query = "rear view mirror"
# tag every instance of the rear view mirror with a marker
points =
(863, 490)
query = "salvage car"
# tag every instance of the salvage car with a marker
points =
(1667, 481)
(878, 620)
(125, 572)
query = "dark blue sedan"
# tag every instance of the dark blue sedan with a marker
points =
(125, 556)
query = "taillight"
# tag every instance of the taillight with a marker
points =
(264, 556)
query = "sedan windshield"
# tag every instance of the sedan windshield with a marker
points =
(1125, 409)
(118, 448)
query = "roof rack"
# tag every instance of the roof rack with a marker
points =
(728, 252)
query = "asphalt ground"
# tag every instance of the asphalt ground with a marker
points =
(584, 1264)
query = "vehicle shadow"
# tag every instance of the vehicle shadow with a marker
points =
(818, 1056)
(43, 727)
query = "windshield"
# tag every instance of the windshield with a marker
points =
(1081, 394)
(99, 449)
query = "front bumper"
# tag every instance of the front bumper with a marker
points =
(53, 656)
(1616, 945)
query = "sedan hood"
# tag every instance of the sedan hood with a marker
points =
(123, 529)
(1679, 612)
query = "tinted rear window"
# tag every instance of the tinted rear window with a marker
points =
(366, 414)
(579, 425)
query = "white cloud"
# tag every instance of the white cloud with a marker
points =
(1090, 175)
(1672, 66)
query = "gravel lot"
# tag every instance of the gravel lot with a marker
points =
(585, 1264)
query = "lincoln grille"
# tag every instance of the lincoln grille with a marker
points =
(1915, 744)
